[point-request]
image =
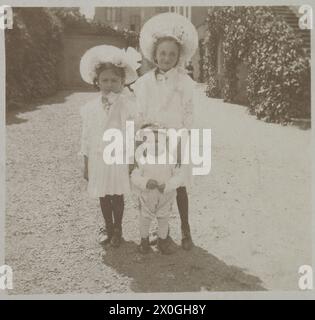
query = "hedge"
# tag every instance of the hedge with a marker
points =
(32, 54)
(278, 69)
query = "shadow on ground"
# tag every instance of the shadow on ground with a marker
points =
(14, 112)
(192, 271)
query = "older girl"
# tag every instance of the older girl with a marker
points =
(165, 94)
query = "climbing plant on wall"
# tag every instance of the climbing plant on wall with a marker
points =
(278, 70)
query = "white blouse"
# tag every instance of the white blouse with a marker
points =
(165, 99)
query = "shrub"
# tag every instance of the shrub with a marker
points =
(278, 70)
(32, 54)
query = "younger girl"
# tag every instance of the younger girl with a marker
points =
(108, 68)
(165, 94)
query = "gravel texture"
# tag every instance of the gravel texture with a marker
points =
(250, 217)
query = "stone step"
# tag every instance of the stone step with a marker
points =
(292, 20)
(284, 12)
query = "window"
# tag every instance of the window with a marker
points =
(118, 14)
(161, 9)
(135, 23)
(113, 14)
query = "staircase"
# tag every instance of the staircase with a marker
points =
(291, 16)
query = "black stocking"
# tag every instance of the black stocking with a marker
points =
(118, 208)
(107, 211)
(182, 204)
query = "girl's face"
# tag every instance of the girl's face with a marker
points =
(167, 54)
(108, 82)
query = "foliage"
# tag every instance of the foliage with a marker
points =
(32, 54)
(278, 70)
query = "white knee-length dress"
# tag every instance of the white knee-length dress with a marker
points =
(105, 179)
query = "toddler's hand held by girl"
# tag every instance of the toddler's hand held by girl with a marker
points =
(161, 187)
(151, 184)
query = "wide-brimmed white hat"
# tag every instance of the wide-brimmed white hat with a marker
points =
(128, 59)
(172, 25)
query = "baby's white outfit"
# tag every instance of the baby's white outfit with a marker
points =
(154, 204)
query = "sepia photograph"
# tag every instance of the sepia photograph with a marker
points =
(156, 149)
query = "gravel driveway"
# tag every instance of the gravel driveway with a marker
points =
(251, 217)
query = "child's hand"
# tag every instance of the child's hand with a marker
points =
(151, 184)
(161, 187)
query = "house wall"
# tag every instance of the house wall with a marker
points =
(74, 48)
(131, 18)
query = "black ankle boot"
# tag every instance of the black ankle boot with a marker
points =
(144, 246)
(154, 238)
(105, 236)
(164, 246)
(187, 242)
(116, 239)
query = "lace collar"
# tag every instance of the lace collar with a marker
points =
(161, 75)
(106, 101)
